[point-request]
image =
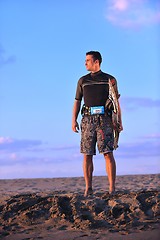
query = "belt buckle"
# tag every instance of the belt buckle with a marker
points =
(97, 110)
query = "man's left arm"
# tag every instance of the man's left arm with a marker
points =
(120, 117)
(114, 84)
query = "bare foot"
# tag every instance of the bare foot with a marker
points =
(88, 192)
(112, 191)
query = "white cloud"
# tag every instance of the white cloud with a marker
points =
(8, 144)
(17, 161)
(153, 136)
(13, 156)
(133, 13)
(120, 5)
(5, 140)
(134, 103)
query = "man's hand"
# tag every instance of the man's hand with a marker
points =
(75, 126)
(121, 127)
(118, 127)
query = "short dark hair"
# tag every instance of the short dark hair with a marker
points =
(96, 55)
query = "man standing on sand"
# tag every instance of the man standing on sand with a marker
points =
(96, 124)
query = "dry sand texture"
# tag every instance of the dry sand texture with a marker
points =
(56, 209)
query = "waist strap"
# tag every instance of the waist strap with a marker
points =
(100, 110)
(88, 111)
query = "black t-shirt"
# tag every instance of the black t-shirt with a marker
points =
(94, 88)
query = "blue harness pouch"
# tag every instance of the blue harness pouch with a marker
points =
(97, 110)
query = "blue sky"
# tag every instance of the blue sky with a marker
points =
(42, 55)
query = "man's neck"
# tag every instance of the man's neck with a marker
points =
(95, 71)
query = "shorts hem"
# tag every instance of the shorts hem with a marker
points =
(88, 153)
(106, 152)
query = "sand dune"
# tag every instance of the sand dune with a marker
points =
(57, 209)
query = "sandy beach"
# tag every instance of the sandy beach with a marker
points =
(55, 208)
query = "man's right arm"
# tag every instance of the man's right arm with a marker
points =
(76, 109)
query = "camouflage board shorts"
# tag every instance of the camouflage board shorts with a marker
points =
(96, 129)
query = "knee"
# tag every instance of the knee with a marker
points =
(109, 156)
(88, 158)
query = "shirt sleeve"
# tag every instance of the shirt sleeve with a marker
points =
(79, 91)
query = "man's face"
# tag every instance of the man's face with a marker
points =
(90, 63)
